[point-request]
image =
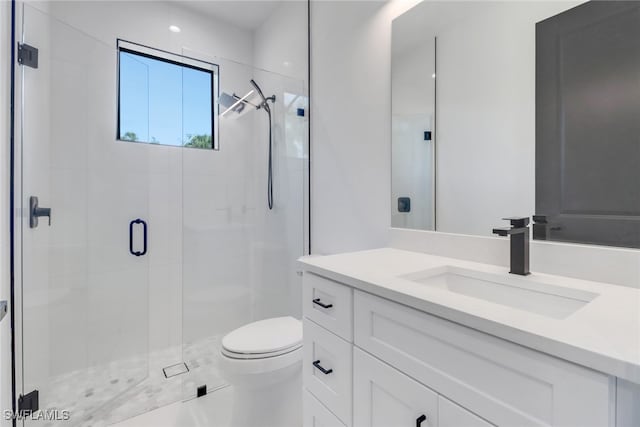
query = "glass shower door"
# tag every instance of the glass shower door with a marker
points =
(83, 278)
(239, 257)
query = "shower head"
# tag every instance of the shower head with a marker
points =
(230, 103)
(264, 103)
(257, 88)
(234, 103)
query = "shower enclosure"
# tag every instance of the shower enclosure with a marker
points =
(153, 252)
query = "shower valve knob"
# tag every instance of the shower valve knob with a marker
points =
(36, 212)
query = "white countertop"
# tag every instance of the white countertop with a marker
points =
(603, 335)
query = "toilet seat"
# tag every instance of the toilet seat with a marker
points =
(263, 339)
(252, 356)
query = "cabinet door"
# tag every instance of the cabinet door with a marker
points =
(452, 415)
(385, 397)
(316, 414)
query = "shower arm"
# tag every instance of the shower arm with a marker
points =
(271, 98)
(244, 101)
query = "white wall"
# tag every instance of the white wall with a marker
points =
(280, 43)
(351, 127)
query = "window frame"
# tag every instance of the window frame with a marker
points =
(175, 59)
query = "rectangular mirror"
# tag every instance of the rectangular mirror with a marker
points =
(486, 159)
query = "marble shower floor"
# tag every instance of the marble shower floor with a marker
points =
(101, 396)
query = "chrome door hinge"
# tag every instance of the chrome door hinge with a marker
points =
(27, 55)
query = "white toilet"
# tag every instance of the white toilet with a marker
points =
(262, 361)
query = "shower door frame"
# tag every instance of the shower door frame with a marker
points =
(12, 259)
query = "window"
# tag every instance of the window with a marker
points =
(165, 98)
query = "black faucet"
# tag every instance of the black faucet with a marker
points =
(519, 233)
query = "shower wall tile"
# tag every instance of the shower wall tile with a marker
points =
(165, 306)
(69, 196)
(69, 95)
(68, 327)
(117, 315)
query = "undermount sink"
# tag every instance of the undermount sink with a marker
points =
(526, 294)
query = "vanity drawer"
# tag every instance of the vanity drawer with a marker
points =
(329, 304)
(316, 414)
(502, 382)
(327, 369)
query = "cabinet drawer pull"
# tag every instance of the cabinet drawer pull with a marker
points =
(318, 302)
(321, 369)
(420, 419)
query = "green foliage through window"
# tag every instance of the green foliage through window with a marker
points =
(199, 141)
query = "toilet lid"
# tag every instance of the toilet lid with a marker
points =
(265, 336)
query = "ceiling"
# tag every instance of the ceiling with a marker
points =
(246, 14)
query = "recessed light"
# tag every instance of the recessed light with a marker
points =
(433, 76)
(174, 28)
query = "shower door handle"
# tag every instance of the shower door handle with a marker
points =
(144, 237)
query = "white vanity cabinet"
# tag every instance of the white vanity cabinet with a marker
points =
(507, 384)
(385, 364)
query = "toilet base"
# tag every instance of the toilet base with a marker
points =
(271, 399)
